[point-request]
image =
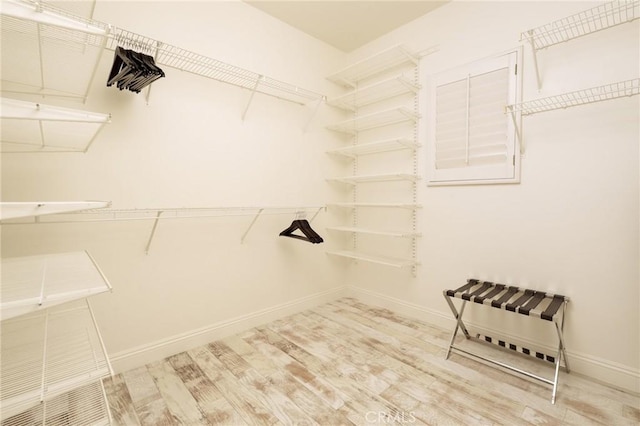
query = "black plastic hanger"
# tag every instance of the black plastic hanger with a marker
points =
(303, 225)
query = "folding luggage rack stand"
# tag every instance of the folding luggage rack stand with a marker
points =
(532, 303)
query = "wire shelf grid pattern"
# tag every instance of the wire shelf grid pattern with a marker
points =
(589, 21)
(35, 127)
(81, 33)
(85, 406)
(184, 60)
(579, 97)
(49, 353)
(33, 283)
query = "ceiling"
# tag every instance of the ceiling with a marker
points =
(346, 25)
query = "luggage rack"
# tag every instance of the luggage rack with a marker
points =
(533, 303)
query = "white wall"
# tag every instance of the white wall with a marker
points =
(570, 227)
(190, 148)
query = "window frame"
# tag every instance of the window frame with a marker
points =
(477, 175)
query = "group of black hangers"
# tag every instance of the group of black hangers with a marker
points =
(303, 225)
(133, 70)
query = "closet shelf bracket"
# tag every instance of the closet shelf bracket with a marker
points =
(313, 113)
(153, 232)
(255, 218)
(253, 92)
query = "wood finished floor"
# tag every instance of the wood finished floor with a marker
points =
(347, 363)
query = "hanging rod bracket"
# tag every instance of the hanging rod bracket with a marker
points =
(255, 218)
(253, 92)
(153, 232)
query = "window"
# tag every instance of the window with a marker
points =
(471, 138)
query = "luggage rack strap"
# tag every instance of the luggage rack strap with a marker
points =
(511, 298)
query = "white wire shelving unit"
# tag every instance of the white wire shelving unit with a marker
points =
(570, 99)
(44, 25)
(85, 406)
(374, 120)
(160, 214)
(387, 145)
(29, 127)
(580, 24)
(389, 177)
(50, 353)
(381, 260)
(19, 209)
(372, 66)
(33, 283)
(376, 92)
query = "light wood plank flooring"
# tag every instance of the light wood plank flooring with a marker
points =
(347, 363)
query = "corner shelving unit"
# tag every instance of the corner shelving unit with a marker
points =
(53, 357)
(34, 127)
(383, 96)
(587, 22)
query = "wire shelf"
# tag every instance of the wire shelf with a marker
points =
(386, 145)
(353, 180)
(583, 23)
(375, 120)
(117, 215)
(14, 210)
(30, 27)
(579, 97)
(381, 260)
(48, 353)
(34, 283)
(184, 60)
(29, 127)
(35, 36)
(384, 61)
(85, 406)
(376, 205)
(373, 93)
(356, 230)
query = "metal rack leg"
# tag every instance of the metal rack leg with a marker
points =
(459, 323)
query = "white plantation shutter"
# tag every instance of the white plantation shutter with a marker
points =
(472, 140)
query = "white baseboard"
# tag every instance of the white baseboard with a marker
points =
(154, 351)
(601, 370)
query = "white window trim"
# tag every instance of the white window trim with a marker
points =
(470, 176)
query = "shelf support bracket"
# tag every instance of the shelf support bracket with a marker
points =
(534, 51)
(153, 232)
(512, 113)
(313, 113)
(155, 58)
(253, 92)
(251, 225)
(317, 213)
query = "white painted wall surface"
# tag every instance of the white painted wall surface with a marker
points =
(190, 148)
(570, 227)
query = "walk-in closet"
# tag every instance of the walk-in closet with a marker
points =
(290, 212)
